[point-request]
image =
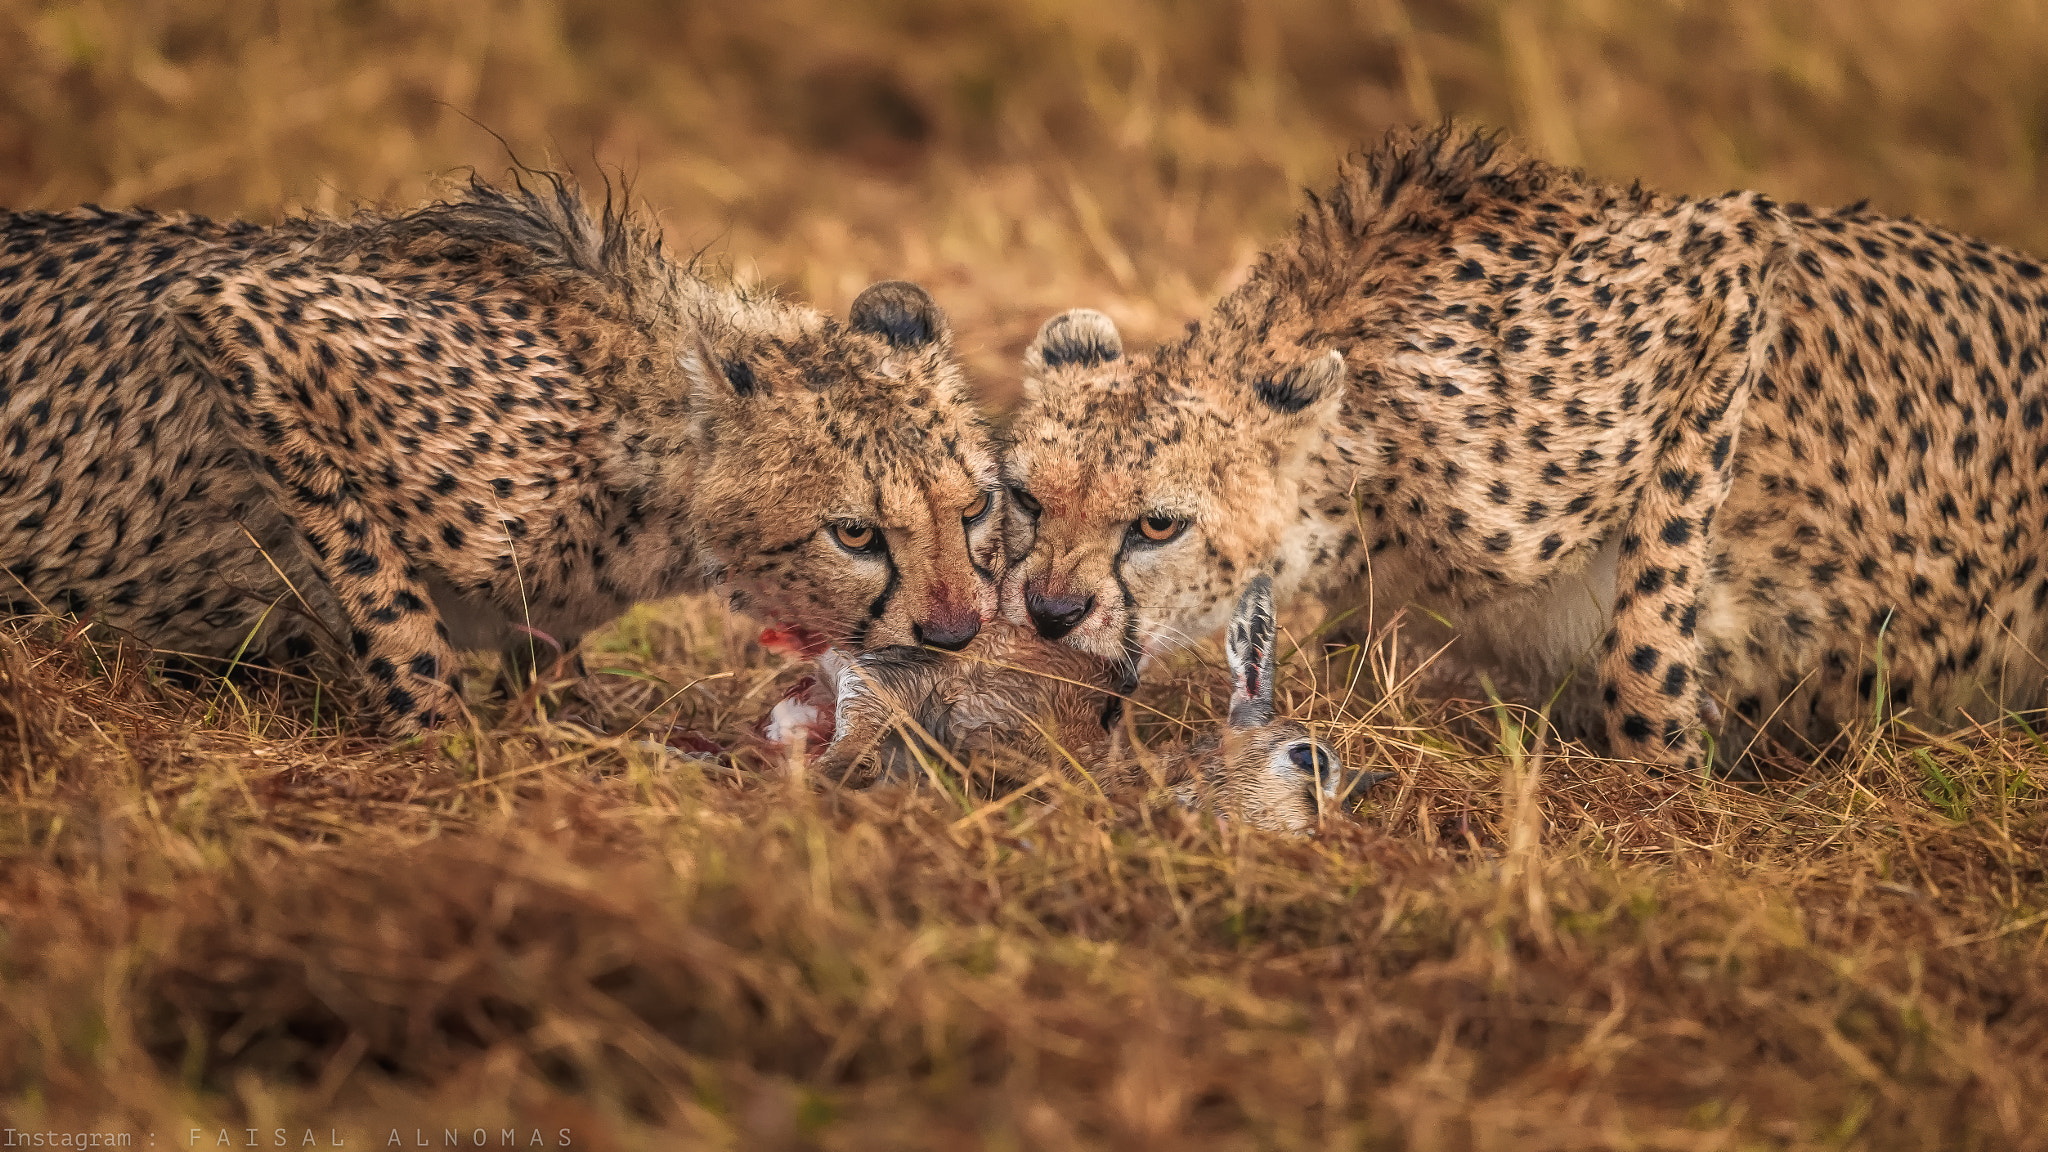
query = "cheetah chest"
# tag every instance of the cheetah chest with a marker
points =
(1533, 642)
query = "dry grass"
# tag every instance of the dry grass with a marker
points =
(216, 913)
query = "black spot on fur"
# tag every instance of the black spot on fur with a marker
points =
(740, 375)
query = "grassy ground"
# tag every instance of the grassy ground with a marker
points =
(220, 913)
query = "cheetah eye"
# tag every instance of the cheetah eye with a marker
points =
(1158, 527)
(1025, 500)
(861, 539)
(978, 509)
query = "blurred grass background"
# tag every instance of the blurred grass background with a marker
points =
(1019, 157)
(215, 916)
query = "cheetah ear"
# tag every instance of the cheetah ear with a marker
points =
(1310, 391)
(1078, 337)
(901, 313)
(715, 379)
(1248, 647)
(718, 385)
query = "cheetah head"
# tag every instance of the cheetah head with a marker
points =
(845, 484)
(1142, 508)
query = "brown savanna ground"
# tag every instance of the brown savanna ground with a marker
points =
(220, 913)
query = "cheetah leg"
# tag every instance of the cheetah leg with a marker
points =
(282, 409)
(1649, 672)
(407, 668)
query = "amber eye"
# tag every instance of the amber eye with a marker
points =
(1158, 527)
(975, 510)
(857, 537)
(1025, 500)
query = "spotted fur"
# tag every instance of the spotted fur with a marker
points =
(399, 436)
(1679, 453)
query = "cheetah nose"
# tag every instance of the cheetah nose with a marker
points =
(1055, 616)
(950, 629)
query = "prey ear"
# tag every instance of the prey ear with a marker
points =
(1310, 392)
(901, 313)
(1078, 337)
(1248, 646)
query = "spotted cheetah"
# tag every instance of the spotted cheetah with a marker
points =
(394, 437)
(1263, 768)
(1720, 468)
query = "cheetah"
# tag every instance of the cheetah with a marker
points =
(394, 437)
(1263, 768)
(1717, 471)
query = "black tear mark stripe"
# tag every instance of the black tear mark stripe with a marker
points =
(995, 525)
(881, 602)
(1133, 651)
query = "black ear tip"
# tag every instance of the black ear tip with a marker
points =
(1081, 337)
(1292, 390)
(898, 311)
